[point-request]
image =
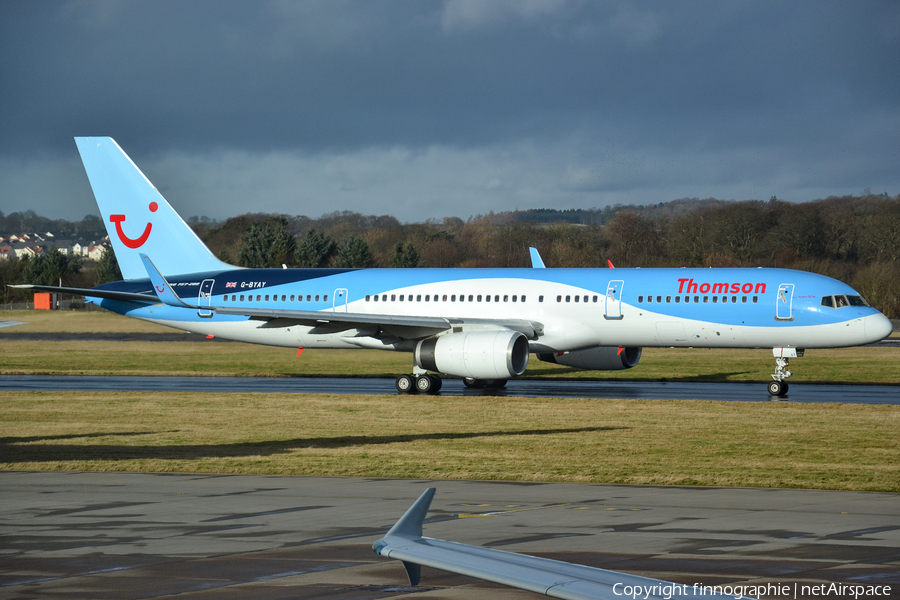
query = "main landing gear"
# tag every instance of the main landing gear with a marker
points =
(779, 387)
(422, 384)
(427, 383)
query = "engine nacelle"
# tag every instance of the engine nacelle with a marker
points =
(601, 358)
(499, 354)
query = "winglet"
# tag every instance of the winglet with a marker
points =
(409, 528)
(536, 261)
(162, 288)
(410, 524)
(609, 262)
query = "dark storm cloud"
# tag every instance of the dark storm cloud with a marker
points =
(790, 94)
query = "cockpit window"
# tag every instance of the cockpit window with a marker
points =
(840, 301)
(857, 301)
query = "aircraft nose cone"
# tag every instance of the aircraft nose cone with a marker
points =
(878, 327)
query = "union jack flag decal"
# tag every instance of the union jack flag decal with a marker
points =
(231, 284)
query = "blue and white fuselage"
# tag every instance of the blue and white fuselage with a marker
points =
(577, 309)
(480, 324)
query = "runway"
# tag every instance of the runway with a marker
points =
(123, 535)
(653, 390)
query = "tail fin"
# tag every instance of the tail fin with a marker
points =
(137, 217)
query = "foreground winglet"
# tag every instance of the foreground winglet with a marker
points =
(552, 578)
(162, 288)
(410, 524)
(536, 261)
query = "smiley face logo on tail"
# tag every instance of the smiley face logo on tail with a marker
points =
(129, 242)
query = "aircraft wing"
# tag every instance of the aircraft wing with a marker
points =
(552, 578)
(93, 293)
(404, 327)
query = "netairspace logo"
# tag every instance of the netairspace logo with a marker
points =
(668, 591)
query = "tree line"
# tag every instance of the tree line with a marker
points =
(855, 239)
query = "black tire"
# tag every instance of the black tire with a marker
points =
(500, 383)
(436, 383)
(406, 384)
(424, 384)
(471, 382)
(777, 388)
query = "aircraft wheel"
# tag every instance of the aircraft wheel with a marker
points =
(777, 388)
(424, 384)
(436, 383)
(406, 384)
(471, 382)
(500, 383)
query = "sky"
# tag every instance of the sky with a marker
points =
(424, 109)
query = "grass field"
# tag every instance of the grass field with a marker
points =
(826, 446)
(829, 446)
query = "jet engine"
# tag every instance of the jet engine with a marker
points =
(601, 358)
(499, 354)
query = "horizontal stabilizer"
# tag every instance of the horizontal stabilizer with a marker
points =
(91, 292)
(541, 575)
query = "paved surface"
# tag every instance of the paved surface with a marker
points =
(747, 392)
(119, 535)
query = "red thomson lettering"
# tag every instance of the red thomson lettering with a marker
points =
(689, 286)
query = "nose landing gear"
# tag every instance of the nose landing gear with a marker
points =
(779, 387)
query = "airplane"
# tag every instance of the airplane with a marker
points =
(557, 579)
(477, 324)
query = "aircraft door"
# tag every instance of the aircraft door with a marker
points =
(340, 300)
(205, 297)
(614, 299)
(784, 302)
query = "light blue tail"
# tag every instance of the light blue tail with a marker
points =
(137, 217)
